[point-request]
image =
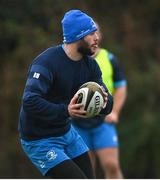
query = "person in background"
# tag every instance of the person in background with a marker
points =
(46, 134)
(100, 134)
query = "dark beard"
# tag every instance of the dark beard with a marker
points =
(83, 48)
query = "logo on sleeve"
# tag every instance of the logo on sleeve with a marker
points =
(51, 155)
(36, 75)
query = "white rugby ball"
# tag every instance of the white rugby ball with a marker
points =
(90, 95)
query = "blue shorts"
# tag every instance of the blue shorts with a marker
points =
(102, 136)
(47, 153)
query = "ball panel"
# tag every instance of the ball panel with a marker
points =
(89, 97)
(95, 105)
(93, 86)
(82, 96)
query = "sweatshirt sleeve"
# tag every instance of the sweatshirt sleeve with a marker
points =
(98, 79)
(109, 105)
(34, 101)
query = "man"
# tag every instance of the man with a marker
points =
(49, 99)
(100, 133)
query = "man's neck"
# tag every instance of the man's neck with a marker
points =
(71, 51)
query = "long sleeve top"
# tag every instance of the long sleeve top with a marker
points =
(52, 80)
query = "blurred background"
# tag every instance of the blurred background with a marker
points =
(131, 30)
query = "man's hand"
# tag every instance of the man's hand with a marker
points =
(112, 117)
(76, 110)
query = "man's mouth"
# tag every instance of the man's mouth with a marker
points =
(95, 45)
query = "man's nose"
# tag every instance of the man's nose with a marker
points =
(96, 37)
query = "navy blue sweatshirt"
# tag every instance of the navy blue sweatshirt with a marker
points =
(53, 79)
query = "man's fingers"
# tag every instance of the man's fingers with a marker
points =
(105, 94)
(74, 99)
(78, 106)
(79, 112)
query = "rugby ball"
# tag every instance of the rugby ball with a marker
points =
(91, 96)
